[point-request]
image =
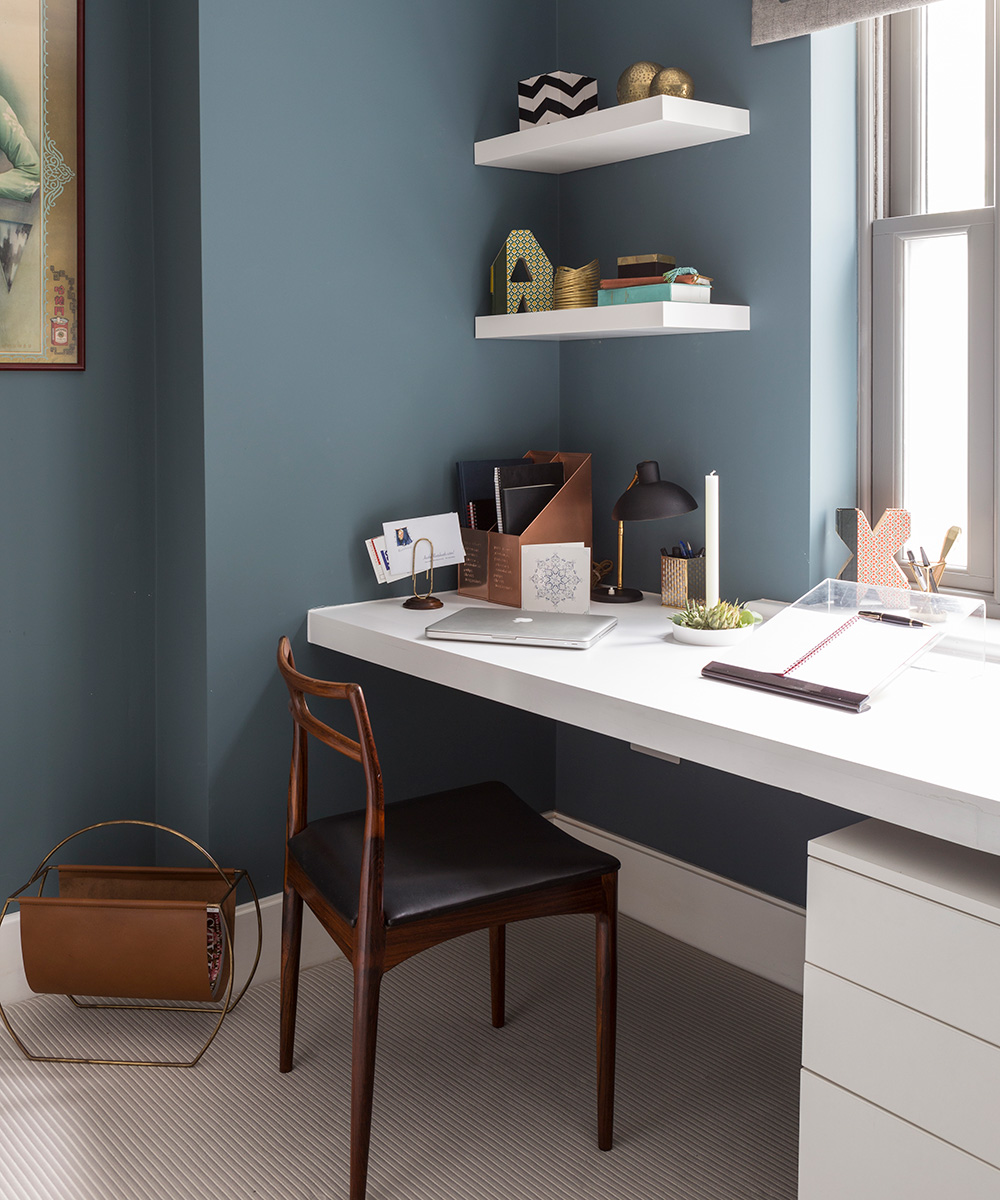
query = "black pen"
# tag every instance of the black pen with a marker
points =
(892, 619)
(917, 574)
(931, 581)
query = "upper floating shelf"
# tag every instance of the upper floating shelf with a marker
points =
(635, 130)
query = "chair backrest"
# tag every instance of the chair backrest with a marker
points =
(361, 750)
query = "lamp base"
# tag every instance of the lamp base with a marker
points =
(607, 593)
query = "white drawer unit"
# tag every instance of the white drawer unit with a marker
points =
(851, 1150)
(901, 1017)
(924, 1071)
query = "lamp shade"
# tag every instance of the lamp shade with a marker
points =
(651, 497)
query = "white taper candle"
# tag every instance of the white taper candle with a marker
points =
(711, 539)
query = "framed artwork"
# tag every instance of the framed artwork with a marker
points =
(41, 184)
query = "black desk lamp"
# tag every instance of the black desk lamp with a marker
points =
(646, 498)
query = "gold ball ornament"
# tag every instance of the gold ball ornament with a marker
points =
(634, 81)
(672, 81)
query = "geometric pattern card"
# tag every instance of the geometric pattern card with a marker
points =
(555, 577)
(872, 550)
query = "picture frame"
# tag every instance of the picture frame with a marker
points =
(41, 185)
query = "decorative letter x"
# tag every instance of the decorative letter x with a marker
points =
(872, 550)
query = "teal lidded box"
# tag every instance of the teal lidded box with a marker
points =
(685, 293)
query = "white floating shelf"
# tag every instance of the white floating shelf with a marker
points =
(610, 135)
(617, 320)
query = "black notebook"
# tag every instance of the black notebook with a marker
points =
(521, 505)
(476, 482)
(524, 480)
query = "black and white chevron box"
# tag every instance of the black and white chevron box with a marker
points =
(553, 97)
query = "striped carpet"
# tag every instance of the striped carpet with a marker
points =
(706, 1097)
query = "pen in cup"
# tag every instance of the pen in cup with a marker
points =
(918, 575)
(932, 582)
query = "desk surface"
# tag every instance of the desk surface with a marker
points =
(923, 756)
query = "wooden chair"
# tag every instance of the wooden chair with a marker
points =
(471, 858)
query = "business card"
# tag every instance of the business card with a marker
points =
(411, 543)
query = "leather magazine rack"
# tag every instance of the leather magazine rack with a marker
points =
(162, 937)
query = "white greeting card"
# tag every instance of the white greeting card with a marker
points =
(441, 530)
(555, 577)
(380, 561)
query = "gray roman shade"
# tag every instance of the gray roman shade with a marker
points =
(775, 20)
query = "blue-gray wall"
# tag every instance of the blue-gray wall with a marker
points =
(76, 497)
(345, 236)
(287, 243)
(771, 217)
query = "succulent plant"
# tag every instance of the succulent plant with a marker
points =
(722, 615)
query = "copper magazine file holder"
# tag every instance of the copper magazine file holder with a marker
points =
(492, 567)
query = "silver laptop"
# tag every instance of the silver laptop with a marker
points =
(573, 631)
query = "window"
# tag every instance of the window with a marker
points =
(928, 209)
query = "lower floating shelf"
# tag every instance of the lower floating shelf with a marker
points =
(614, 321)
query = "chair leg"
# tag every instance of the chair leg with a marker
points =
(607, 996)
(367, 983)
(498, 973)
(291, 943)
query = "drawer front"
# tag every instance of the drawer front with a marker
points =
(933, 958)
(943, 1080)
(851, 1150)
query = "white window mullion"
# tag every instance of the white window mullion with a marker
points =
(907, 184)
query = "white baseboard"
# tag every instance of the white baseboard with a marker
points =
(752, 930)
(747, 928)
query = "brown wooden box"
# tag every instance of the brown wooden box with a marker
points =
(136, 932)
(492, 567)
(638, 266)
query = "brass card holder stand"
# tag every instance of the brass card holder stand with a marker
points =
(153, 934)
(425, 601)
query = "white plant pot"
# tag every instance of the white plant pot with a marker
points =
(710, 637)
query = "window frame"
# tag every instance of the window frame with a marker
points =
(890, 182)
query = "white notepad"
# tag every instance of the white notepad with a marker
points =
(838, 650)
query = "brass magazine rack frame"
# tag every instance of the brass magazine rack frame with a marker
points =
(165, 908)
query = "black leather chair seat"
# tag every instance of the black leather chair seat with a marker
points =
(446, 851)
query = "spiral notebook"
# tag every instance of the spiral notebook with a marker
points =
(834, 657)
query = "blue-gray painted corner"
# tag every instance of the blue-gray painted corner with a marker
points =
(181, 570)
(772, 218)
(301, 365)
(76, 494)
(346, 240)
(741, 211)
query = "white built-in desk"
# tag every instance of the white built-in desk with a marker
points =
(924, 756)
